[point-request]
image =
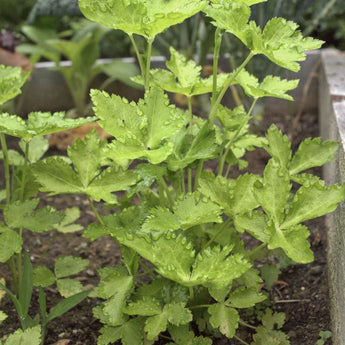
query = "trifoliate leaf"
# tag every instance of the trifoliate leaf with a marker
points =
(312, 153)
(69, 265)
(43, 276)
(183, 336)
(273, 320)
(293, 241)
(279, 146)
(217, 268)
(87, 156)
(11, 80)
(38, 124)
(38, 146)
(245, 298)
(147, 306)
(313, 201)
(274, 193)
(146, 18)
(69, 287)
(10, 243)
(67, 224)
(224, 318)
(15, 212)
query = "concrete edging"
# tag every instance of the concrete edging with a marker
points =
(332, 127)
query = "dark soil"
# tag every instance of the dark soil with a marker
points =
(301, 292)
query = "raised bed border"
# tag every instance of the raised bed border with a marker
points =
(332, 127)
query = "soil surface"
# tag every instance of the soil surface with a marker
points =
(301, 291)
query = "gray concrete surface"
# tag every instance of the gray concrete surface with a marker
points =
(332, 126)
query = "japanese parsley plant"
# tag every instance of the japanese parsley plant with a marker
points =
(186, 272)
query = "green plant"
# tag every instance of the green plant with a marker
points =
(178, 225)
(82, 50)
(324, 336)
(186, 271)
(20, 213)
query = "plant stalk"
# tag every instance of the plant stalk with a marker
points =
(6, 167)
(148, 62)
(139, 57)
(217, 43)
(228, 82)
(99, 218)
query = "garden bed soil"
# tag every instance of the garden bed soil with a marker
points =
(301, 291)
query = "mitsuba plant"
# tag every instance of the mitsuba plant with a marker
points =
(20, 212)
(186, 272)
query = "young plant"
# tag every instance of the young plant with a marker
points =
(20, 213)
(186, 271)
(82, 50)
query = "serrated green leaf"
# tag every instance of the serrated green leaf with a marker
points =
(294, 242)
(254, 223)
(279, 146)
(174, 313)
(15, 212)
(43, 276)
(116, 286)
(183, 336)
(131, 259)
(10, 243)
(192, 209)
(69, 265)
(312, 153)
(86, 156)
(11, 80)
(67, 224)
(155, 325)
(313, 201)
(147, 306)
(265, 336)
(38, 124)
(218, 190)
(217, 268)
(69, 287)
(189, 148)
(146, 18)
(245, 298)
(224, 318)
(31, 336)
(94, 231)
(38, 146)
(141, 130)
(130, 333)
(274, 193)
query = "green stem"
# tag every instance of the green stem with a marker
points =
(26, 159)
(190, 112)
(225, 224)
(166, 190)
(6, 167)
(228, 145)
(182, 183)
(256, 250)
(190, 190)
(228, 82)
(147, 270)
(99, 218)
(198, 174)
(240, 340)
(148, 62)
(200, 306)
(246, 324)
(191, 293)
(139, 57)
(217, 43)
